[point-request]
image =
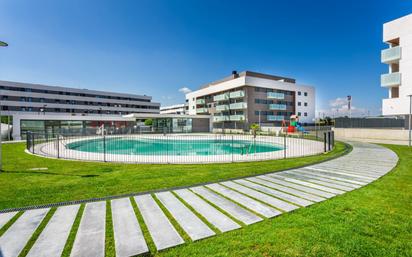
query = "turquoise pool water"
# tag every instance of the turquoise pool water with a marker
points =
(171, 146)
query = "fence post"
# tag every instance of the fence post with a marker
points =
(329, 140)
(324, 141)
(284, 146)
(232, 148)
(104, 147)
(167, 147)
(33, 142)
(27, 141)
(58, 146)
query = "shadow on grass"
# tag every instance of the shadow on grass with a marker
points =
(49, 173)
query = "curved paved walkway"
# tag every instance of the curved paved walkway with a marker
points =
(200, 212)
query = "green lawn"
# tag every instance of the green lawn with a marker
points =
(74, 180)
(375, 220)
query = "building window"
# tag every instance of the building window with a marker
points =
(305, 94)
(305, 104)
(299, 93)
(299, 113)
(305, 114)
(299, 104)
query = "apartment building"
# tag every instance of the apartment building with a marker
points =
(242, 99)
(34, 107)
(174, 109)
(397, 34)
(34, 98)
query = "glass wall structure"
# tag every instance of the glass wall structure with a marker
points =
(74, 127)
(172, 125)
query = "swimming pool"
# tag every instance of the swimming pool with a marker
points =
(175, 148)
(172, 146)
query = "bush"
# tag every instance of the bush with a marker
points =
(148, 122)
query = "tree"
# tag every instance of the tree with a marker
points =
(148, 122)
(254, 127)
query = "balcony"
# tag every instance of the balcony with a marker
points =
(391, 55)
(275, 118)
(223, 107)
(220, 118)
(274, 95)
(281, 107)
(238, 106)
(391, 79)
(201, 110)
(237, 117)
(237, 94)
(221, 97)
(200, 101)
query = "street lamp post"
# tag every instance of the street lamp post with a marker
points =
(2, 44)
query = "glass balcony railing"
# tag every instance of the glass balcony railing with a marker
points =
(275, 118)
(391, 79)
(238, 106)
(220, 118)
(274, 95)
(391, 55)
(281, 107)
(223, 107)
(221, 97)
(200, 101)
(237, 94)
(237, 117)
(201, 110)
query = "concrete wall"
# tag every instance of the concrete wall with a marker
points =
(378, 134)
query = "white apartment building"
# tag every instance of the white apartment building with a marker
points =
(174, 109)
(242, 99)
(398, 56)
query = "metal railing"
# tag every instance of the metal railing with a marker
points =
(177, 148)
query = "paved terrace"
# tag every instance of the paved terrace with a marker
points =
(225, 206)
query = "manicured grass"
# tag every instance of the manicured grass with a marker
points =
(73, 180)
(375, 220)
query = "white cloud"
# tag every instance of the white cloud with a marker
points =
(185, 90)
(167, 97)
(338, 102)
(338, 107)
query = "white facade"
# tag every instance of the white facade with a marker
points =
(398, 56)
(173, 109)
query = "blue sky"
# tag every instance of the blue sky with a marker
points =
(157, 47)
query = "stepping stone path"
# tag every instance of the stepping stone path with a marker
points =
(193, 213)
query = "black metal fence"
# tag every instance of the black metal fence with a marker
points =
(177, 148)
(387, 123)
